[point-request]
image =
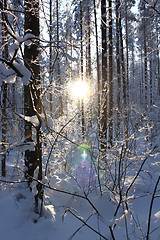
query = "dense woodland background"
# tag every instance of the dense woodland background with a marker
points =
(46, 47)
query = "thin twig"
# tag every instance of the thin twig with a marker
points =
(150, 209)
(131, 184)
(111, 231)
(152, 7)
(70, 120)
(63, 191)
(79, 218)
(70, 238)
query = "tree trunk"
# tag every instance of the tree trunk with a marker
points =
(89, 68)
(103, 112)
(145, 56)
(142, 80)
(150, 80)
(124, 102)
(4, 97)
(50, 56)
(82, 72)
(58, 80)
(118, 66)
(158, 62)
(98, 65)
(110, 75)
(127, 54)
(33, 159)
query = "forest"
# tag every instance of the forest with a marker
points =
(80, 119)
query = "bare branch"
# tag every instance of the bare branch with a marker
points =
(86, 224)
(153, 7)
(139, 171)
(150, 210)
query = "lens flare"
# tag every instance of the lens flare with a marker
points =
(84, 155)
(84, 173)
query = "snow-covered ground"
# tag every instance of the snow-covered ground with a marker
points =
(67, 217)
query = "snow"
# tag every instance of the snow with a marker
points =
(71, 198)
(12, 48)
(72, 59)
(22, 146)
(24, 71)
(157, 215)
(6, 74)
(33, 119)
(18, 220)
(28, 39)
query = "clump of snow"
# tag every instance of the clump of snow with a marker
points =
(28, 39)
(157, 216)
(13, 48)
(7, 74)
(24, 71)
(33, 119)
(72, 59)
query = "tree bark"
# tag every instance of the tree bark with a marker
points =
(98, 65)
(118, 65)
(4, 96)
(58, 80)
(50, 56)
(145, 55)
(103, 112)
(110, 75)
(82, 70)
(33, 159)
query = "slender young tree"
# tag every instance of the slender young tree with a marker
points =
(158, 59)
(97, 64)
(88, 57)
(145, 54)
(82, 69)
(58, 80)
(110, 74)
(88, 45)
(124, 82)
(127, 51)
(103, 120)
(50, 54)
(118, 65)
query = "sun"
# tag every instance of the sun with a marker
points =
(80, 89)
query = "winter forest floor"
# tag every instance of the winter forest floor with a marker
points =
(122, 204)
(67, 217)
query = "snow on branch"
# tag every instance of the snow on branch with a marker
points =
(33, 119)
(7, 75)
(21, 147)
